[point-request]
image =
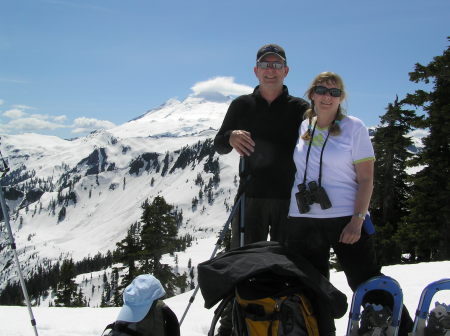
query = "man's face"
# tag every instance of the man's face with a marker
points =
(271, 77)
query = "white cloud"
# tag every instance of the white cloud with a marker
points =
(23, 107)
(60, 118)
(222, 85)
(32, 124)
(14, 113)
(22, 121)
(84, 124)
(40, 116)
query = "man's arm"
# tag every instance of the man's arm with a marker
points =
(230, 136)
(222, 139)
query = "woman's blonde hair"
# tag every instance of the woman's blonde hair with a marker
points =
(329, 78)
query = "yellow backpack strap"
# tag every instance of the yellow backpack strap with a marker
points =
(308, 315)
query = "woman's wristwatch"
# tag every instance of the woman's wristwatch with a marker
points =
(360, 215)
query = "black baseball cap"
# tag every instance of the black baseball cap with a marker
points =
(271, 48)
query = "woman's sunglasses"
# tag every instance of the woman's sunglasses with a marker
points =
(322, 90)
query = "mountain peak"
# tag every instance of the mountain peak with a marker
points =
(174, 118)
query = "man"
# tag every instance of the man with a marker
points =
(263, 129)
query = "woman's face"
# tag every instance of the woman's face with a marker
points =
(324, 101)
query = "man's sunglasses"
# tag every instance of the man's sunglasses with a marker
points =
(273, 65)
(322, 90)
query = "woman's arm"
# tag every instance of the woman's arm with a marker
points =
(364, 177)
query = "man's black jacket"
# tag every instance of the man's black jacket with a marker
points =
(274, 128)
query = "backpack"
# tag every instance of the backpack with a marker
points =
(159, 321)
(287, 312)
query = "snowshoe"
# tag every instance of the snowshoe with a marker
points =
(438, 320)
(375, 320)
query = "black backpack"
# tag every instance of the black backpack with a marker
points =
(159, 321)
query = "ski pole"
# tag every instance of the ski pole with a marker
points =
(219, 241)
(13, 247)
(242, 209)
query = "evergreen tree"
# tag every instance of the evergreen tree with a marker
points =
(128, 253)
(62, 214)
(426, 231)
(79, 300)
(158, 237)
(159, 231)
(191, 276)
(103, 302)
(66, 289)
(12, 295)
(106, 295)
(117, 295)
(166, 162)
(391, 189)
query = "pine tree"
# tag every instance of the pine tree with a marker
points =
(79, 300)
(62, 214)
(159, 229)
(66, 289)
(191, 276)
(391, 189)
(426, 231)
(106, 295)
(117, 295)
(158, 237)
(128, 253)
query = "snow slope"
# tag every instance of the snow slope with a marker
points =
(91, 321)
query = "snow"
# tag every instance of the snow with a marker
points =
(15, 321)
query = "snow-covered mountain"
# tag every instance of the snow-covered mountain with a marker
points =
(75, 198)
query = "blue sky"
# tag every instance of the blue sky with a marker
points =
(69, 66)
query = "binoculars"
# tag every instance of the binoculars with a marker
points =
(309, 194)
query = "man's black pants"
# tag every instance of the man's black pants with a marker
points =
(262, 216)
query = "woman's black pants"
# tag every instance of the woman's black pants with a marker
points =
(312, 238)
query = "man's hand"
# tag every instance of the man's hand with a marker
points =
(242, 142)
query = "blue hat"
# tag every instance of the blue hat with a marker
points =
(139, 296)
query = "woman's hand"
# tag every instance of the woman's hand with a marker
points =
(352, 231)
(364, 176)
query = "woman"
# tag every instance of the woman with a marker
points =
(333, 184)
